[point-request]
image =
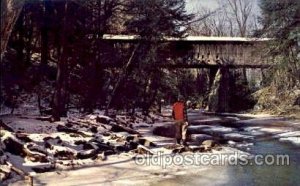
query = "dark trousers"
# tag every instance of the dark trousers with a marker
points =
(181, 130)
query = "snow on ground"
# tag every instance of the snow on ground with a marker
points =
(27, 105)
(123, 170)
(120, 168)
(293, 140)
(28, 125)
(116, 169)
(290, 137)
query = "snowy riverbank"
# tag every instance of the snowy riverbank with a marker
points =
(95, 149)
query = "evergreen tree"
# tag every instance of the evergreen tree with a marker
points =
(152, 21)
(158, 18)
(281, 21)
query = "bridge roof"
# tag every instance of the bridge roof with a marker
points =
(188, 38)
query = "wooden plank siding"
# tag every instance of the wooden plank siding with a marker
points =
(201, 52)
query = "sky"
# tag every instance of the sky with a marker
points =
(193, 5)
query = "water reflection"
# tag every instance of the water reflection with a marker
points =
(251, 174)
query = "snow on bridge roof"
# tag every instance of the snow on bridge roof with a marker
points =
(189, 38)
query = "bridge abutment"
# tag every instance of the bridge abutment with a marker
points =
(218, 100)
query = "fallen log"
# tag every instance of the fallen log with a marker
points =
(12, 144)
(121, 120)
(87, 154)
(79, 123)
(64, 155)
(103, 146)
(103, 119)
(17, 147)
(141, 141)
(143, 150)
(61, 128)
(35, 156)
(86, 124)
(3, 126)
(23, 137)
(22, 173)
(120, 128)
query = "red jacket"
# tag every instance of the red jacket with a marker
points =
(179, 111)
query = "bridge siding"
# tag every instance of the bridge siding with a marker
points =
(237, 52)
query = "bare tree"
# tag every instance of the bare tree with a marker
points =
(213, 23)
(10, 10)
(232, 18)
(239, 11)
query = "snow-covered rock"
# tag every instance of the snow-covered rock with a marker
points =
(237, 137)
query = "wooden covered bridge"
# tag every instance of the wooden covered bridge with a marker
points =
(217, 54)
(210, 52)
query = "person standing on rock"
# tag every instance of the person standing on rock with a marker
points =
(179, 114)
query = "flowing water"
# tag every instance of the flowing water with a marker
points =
(250, 174)
(268, 174)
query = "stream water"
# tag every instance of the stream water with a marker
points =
(250, 174)
(268, 174)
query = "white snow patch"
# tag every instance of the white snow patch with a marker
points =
(218, 129)
(288, 134)
(273, 130)
(293, 140)
(237, 137)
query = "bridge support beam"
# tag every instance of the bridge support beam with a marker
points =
(212, 76)
(218, 100)
(223, 105)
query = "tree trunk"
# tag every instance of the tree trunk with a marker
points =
(19, 65)
(44, 35)
(121, 78)
(93, 71)
(59, 95)
(59, 101)
(10, 10)
(90, 94)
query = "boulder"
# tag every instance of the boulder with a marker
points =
(197, 129)
(87, 154)
(237, 137)
(103, 119)
(200, 137)
(208, 144)
(5, 172)
(207, 121)
(165, 130)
